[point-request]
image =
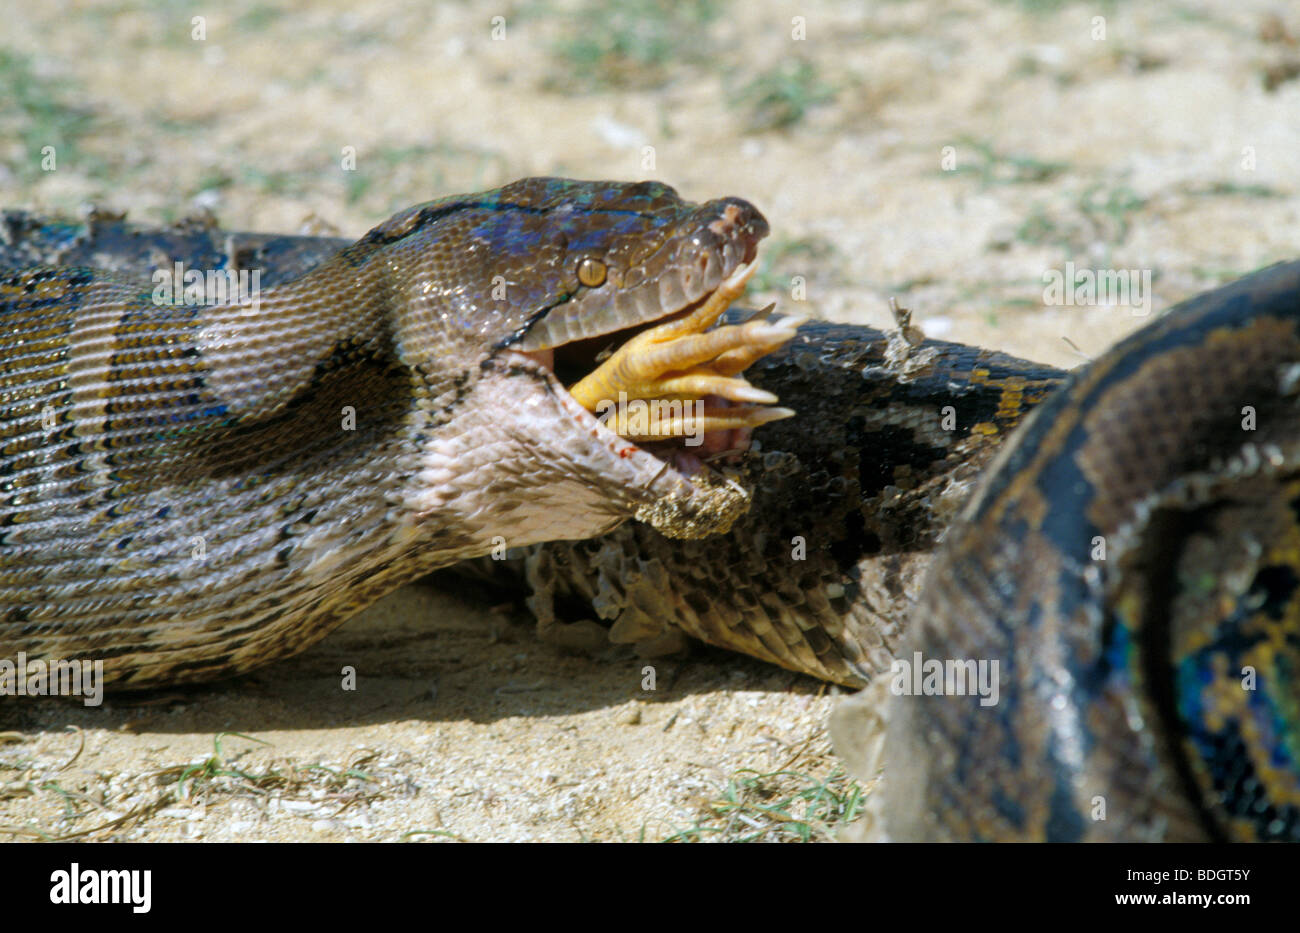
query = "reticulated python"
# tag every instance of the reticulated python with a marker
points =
(1128, 557)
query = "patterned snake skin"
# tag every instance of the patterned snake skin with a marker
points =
(1132, 561)
(190, 490)
(1122, 712)
(854, 508)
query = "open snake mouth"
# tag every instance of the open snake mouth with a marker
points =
(667, 394)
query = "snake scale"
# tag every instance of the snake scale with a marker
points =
(1128, 555)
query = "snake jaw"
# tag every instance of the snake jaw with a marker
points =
(687, 372)
(662, 291)
(668, 346)
(669, 489)
(682, 360)
(663, 294)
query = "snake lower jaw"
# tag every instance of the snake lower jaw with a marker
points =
(664, 483)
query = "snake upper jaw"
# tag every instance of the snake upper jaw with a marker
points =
(709, 243)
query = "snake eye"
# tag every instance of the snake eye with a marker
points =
(591, 272)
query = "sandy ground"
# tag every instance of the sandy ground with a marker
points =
(1167, 144)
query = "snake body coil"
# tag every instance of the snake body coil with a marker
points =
(1133, 564)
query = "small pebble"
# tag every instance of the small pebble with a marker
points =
(629, 717)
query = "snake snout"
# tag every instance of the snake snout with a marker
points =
(736, 229)
(726, 237)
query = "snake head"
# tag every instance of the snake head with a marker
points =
(538, 282)
(545, 262)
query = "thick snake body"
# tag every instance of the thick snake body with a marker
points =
(1130, 553)
(1132, 563)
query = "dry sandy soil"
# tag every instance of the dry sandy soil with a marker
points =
(1168, 143)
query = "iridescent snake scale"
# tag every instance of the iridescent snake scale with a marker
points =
(1130, 559)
